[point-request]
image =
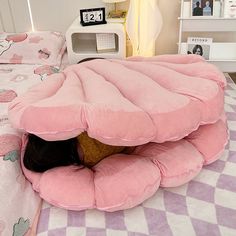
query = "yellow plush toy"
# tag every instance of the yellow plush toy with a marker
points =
(93, 151)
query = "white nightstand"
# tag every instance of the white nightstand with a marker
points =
(81, 41)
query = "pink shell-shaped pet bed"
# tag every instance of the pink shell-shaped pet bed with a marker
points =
(170, 107)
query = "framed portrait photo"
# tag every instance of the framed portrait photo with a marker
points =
(202, 8)
(230, 8)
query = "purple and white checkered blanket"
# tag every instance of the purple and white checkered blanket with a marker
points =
(204, 206)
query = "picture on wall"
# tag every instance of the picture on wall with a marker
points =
(230, 8)
(202, 7)
(199, 46)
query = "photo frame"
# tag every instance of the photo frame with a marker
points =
(229, 9)
(202, 8)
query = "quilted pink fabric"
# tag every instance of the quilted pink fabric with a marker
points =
(144, 102)
(125, 103)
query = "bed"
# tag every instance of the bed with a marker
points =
(23, 64)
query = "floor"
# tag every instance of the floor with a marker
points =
(233, 76)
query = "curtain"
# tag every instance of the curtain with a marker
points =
(143, 25)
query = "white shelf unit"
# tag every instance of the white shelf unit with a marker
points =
(81, 41)
(222, 54)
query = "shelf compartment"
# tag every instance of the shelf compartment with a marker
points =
(85, 43)
(223, 55)
(81, 41)
(225, 66)
(218, 51)
(204, 24)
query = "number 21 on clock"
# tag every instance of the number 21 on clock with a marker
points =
(92, 16)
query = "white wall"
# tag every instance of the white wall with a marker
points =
(58, 15)
(1, 26)
(6, 16)
(64, 11)
(168, 38)
(20, 15)
(47, 14)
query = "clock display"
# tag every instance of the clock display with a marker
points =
(92, 16)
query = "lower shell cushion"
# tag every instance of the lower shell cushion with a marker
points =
(123, 181)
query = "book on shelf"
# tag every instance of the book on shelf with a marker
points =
(230, 8)
(106, 42)
(199, 46)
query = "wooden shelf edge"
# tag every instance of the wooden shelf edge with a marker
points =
(206, 18)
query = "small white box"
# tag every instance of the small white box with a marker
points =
(106, 42)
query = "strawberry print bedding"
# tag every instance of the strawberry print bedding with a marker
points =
(39, 55)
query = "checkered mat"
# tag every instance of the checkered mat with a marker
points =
(204, 206)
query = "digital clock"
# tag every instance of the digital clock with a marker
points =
(93, 16)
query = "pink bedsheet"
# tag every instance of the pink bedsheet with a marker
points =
(19, 204)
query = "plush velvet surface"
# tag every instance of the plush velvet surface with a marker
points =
(124, 181)
(170, 107)
(125, 102)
